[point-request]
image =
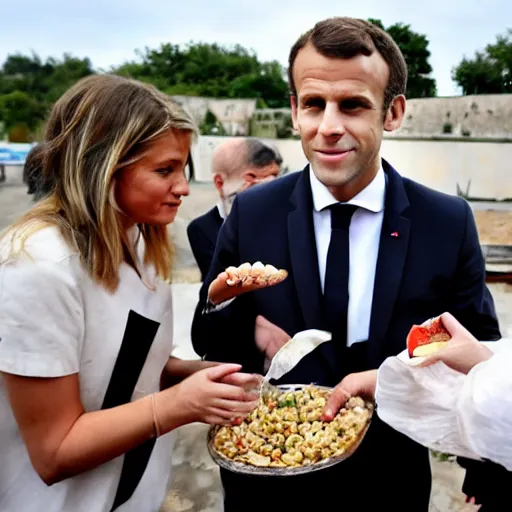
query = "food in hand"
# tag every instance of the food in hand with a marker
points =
(285, 430)
(258, 273)
(427, 338)
(426, 350)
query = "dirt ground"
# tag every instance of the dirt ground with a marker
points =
(494, 226)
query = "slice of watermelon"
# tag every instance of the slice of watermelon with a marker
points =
(431, 331)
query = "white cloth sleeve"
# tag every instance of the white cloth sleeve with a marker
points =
(214, 308)
(41, 319)
(465, 415)
(422, 404)
(485, 406)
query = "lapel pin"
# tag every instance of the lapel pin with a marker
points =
(394, 234)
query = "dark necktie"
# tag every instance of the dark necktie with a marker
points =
(337, 271)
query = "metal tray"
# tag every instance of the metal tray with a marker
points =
(247, 469)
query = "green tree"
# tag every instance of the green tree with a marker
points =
(20, 113)
(414, 47)
(43, 81)
(62, 74)
(267, 84)
(489, 71)
(202, 69)
(29, 86)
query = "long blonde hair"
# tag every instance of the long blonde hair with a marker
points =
(100, 125)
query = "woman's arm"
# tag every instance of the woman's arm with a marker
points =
(62, 440)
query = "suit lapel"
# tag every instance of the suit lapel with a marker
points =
(394, 243)
(304, 260)
(303, 255)
(217, 219)
(216, 222)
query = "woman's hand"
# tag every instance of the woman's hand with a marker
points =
(178, 369)
(462, 352)
(355, 384)
(214, 395)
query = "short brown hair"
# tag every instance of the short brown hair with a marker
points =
(344, 38)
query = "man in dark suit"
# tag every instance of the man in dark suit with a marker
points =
(347, 226)
(202, 235)
(237, 164)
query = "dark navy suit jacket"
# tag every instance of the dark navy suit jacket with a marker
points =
(202, 235)
(435, 264)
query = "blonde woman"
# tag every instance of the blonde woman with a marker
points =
(86, 314)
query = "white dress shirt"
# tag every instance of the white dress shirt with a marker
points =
(222, 212)
(364, 236)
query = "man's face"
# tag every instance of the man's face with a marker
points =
(254, 175)
(339, 115)
(246, 179)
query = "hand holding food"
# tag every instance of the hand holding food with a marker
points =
(214, 395)
(355, 384)
(427, 338)
(462, 352)
(237, 280)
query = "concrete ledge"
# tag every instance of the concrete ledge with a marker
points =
(449, 138)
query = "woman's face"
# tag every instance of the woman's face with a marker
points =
(150, 190)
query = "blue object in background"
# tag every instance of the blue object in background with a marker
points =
(14, 153)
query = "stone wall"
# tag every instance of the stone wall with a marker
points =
(233, 114)
(486, 115)
(481, 168)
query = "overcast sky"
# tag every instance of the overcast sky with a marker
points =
(108, 31)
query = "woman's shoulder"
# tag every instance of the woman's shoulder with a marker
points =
(41, 244)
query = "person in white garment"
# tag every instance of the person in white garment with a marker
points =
(458, 400)
(86, 315)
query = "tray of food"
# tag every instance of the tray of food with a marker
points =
(285, 435)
